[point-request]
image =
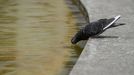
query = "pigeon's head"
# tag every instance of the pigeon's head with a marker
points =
(76, 38)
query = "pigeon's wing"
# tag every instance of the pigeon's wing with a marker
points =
(111, 21)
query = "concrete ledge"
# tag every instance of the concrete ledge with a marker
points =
(112, 54)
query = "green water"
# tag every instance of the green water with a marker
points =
(35, 37)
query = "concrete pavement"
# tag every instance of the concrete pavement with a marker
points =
(113, 53)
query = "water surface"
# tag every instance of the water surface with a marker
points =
(35, 37)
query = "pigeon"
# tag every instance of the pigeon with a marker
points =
(95, 28)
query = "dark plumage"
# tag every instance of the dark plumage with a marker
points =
(92, 29)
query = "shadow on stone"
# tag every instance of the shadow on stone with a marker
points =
(102, 37)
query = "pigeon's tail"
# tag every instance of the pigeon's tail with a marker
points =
(117, 24)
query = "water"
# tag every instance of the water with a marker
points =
(35, 37)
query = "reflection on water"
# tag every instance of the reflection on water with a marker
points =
(7, 37)
(35, 37)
